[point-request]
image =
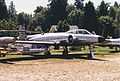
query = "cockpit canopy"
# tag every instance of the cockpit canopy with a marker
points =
(79, 31)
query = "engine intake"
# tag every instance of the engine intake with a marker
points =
(70, 39)
(101, 39)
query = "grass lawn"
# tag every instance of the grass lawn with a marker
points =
(97, 50)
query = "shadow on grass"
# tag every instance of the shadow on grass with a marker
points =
(114, 51)
(38, 57)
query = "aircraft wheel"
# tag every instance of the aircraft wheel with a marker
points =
(0, 55)
(47, 53)
(89, 56)
(65, 52)
(4, 55)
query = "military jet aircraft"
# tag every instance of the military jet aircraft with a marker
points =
(70, 38)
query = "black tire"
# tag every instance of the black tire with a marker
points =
(0, 55)
(47, 53)
(4, 55)
(65, 53)
(89, 56)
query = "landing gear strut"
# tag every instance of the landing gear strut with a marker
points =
(91, 55)
(2, 55)
(47, 53)
(65, 50)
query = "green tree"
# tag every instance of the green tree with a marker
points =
(60, 26)
(12, 11)
(66, 26)
(75, 17)
(107, 26)
(3, 10)
(116, 26)
(20, 19)
(79, 4)
(24, 19)
(38, 9)
(112, 13)
(117, 22)
(8, 25)
(58, 10)
(33, 24)
(42, 19)
(90, 17)
(103, 9)
(116, 4)
(63, 26)
(38, 29)
(70, 8)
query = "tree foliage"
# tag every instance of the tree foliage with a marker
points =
(63, 26)
(105, 20)
(8, 25)
(70, 8)
(38, 9)
(43, 19)
(79, 4)
(90, 17)
(75, 17)
(3, 10)
(112, 13)
(58, 10)
(12, 11)
(24, 19)
(107, 28)
(103, 9)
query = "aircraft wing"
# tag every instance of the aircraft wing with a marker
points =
(37, 42)
(111, 42)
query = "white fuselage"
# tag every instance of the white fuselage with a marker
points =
(63, 36)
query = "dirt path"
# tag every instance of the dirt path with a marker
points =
(106, 68)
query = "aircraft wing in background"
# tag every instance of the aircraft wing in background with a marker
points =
(111, 42)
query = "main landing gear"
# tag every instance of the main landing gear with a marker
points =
(65, 50)
(91, 55)
(2, 54)
(47, 53)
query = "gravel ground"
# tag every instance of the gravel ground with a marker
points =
(105, 68)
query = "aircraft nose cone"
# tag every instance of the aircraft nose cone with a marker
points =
(101, 39)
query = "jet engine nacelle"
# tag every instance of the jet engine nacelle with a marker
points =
(72, 39)
(86, 39)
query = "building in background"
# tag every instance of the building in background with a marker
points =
(53, 28)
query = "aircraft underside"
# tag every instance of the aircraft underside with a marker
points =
(66, 51)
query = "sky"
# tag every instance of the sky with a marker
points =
(28, 6)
